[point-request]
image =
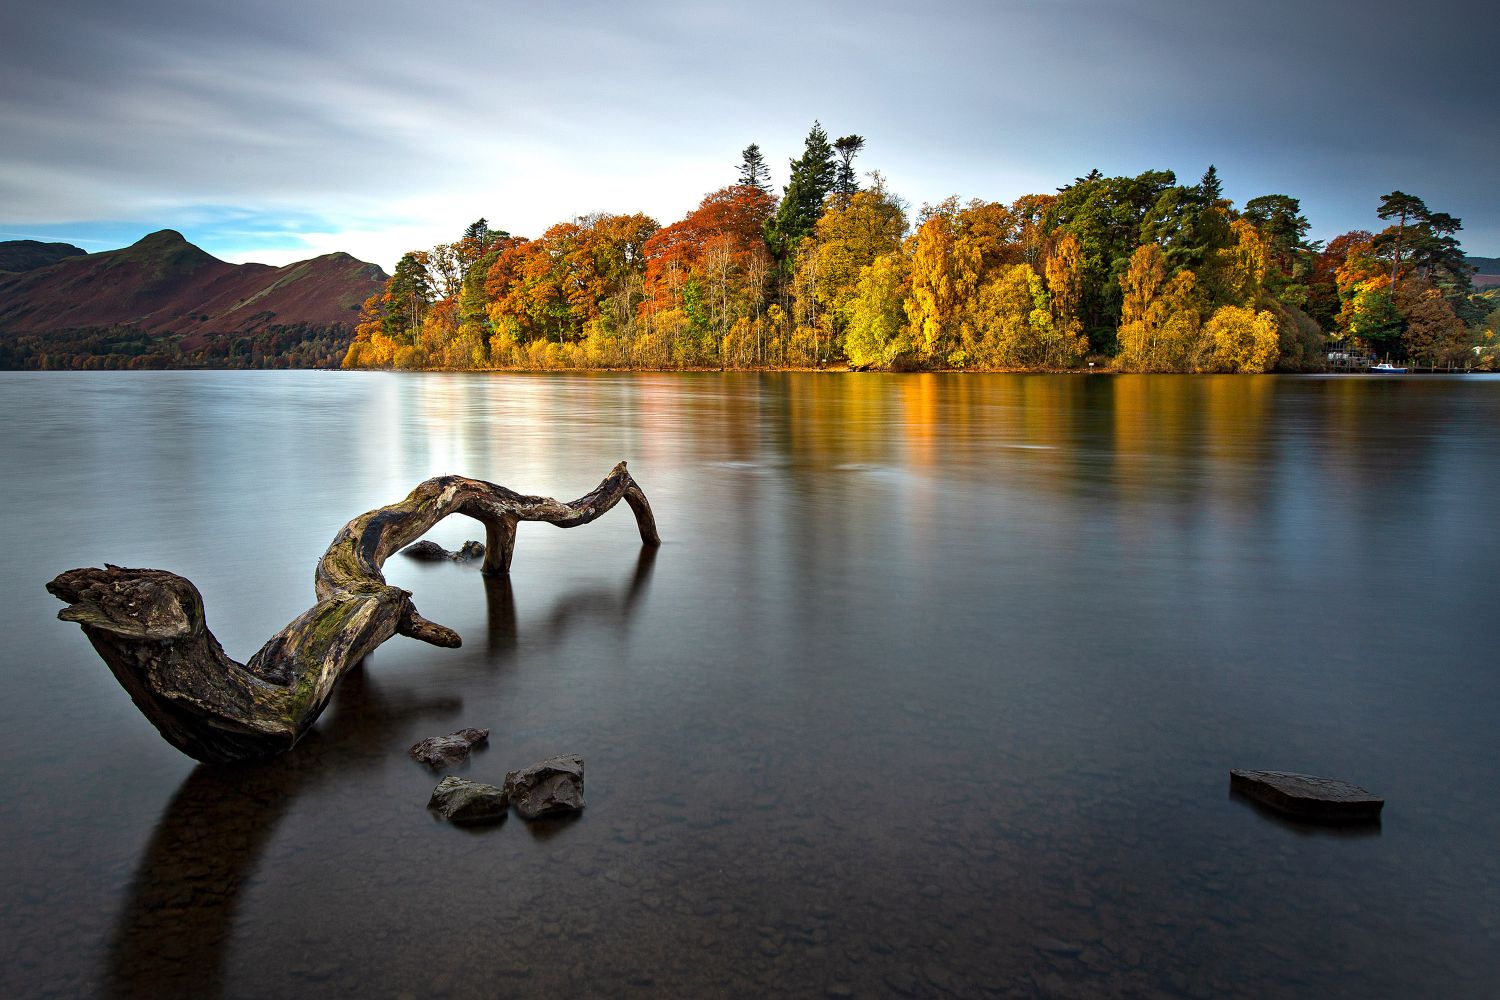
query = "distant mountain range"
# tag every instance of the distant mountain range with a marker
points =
(163, 302)
(1487, 271)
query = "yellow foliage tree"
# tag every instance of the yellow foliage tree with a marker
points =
(1009, 324)
(1240, 268)
(1243, 340)
(1064, 271)
(849, 236)
(1160, 321)
(876, 330)
(944, 273)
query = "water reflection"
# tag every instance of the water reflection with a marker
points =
(594, 606)
(935, 693)
(179, 916)
(171, 936)
(1280, 820)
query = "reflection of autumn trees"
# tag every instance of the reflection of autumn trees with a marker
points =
(1139, 272)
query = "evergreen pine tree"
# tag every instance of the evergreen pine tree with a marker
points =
(845, 184)
(1210, 189)
(753, 170)
(813, 176)
(1404, 208)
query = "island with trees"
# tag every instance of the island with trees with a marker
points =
(1131, 273)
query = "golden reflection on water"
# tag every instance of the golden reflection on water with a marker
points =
(932, 687)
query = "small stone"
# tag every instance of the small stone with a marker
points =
(441, 751)
(550, 786)
(1304, 796)
(470, 550)
(459, 800)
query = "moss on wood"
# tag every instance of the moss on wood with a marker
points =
(148, 625)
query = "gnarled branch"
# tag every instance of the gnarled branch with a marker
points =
(148, 624)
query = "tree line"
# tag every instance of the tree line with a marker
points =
(127, 347)
(1141, 273)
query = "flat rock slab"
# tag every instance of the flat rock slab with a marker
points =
(1304, 796)
(459, 800)
(433, 552)
(554, 785)
(441, 751)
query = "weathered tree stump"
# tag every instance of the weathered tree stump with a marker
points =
(148, 624)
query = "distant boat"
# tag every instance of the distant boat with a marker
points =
(1387, 368)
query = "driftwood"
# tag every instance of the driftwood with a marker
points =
(148, 624)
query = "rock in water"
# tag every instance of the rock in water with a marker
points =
(549, 786)
(433, 552)
(429, 551)
(440, 751)
(459, 800)
(1306, 797)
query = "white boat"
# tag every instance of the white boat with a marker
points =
(1387, 368)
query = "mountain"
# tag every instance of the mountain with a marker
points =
(168, 302)
(1487, 271)
(28, 255)
(164, 284)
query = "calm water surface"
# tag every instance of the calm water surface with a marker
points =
(933, 689)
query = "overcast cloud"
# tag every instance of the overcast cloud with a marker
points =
(278, 130)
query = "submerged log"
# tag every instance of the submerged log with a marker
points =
(148, 625)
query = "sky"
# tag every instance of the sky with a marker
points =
(275, 131)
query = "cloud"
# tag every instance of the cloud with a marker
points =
(364, 125)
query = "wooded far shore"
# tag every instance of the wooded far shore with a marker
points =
(1139, 273)
(1129, 273)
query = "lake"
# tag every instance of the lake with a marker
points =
(932, 689)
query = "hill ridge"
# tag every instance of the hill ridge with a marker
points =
(164, 284)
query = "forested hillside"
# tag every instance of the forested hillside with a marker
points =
(164, 303)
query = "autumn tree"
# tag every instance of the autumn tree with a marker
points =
(943, 274)
(1008, 323)
(1238, 271)
(579, 281)
(876, 330)
(849, 235)
(1367, 308)
(372, 346)
(1242, 339)
(708, 271)
(1433, 332)
(1323, 301)
(1029, 232)
(1160, 319)
(1064, 275)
